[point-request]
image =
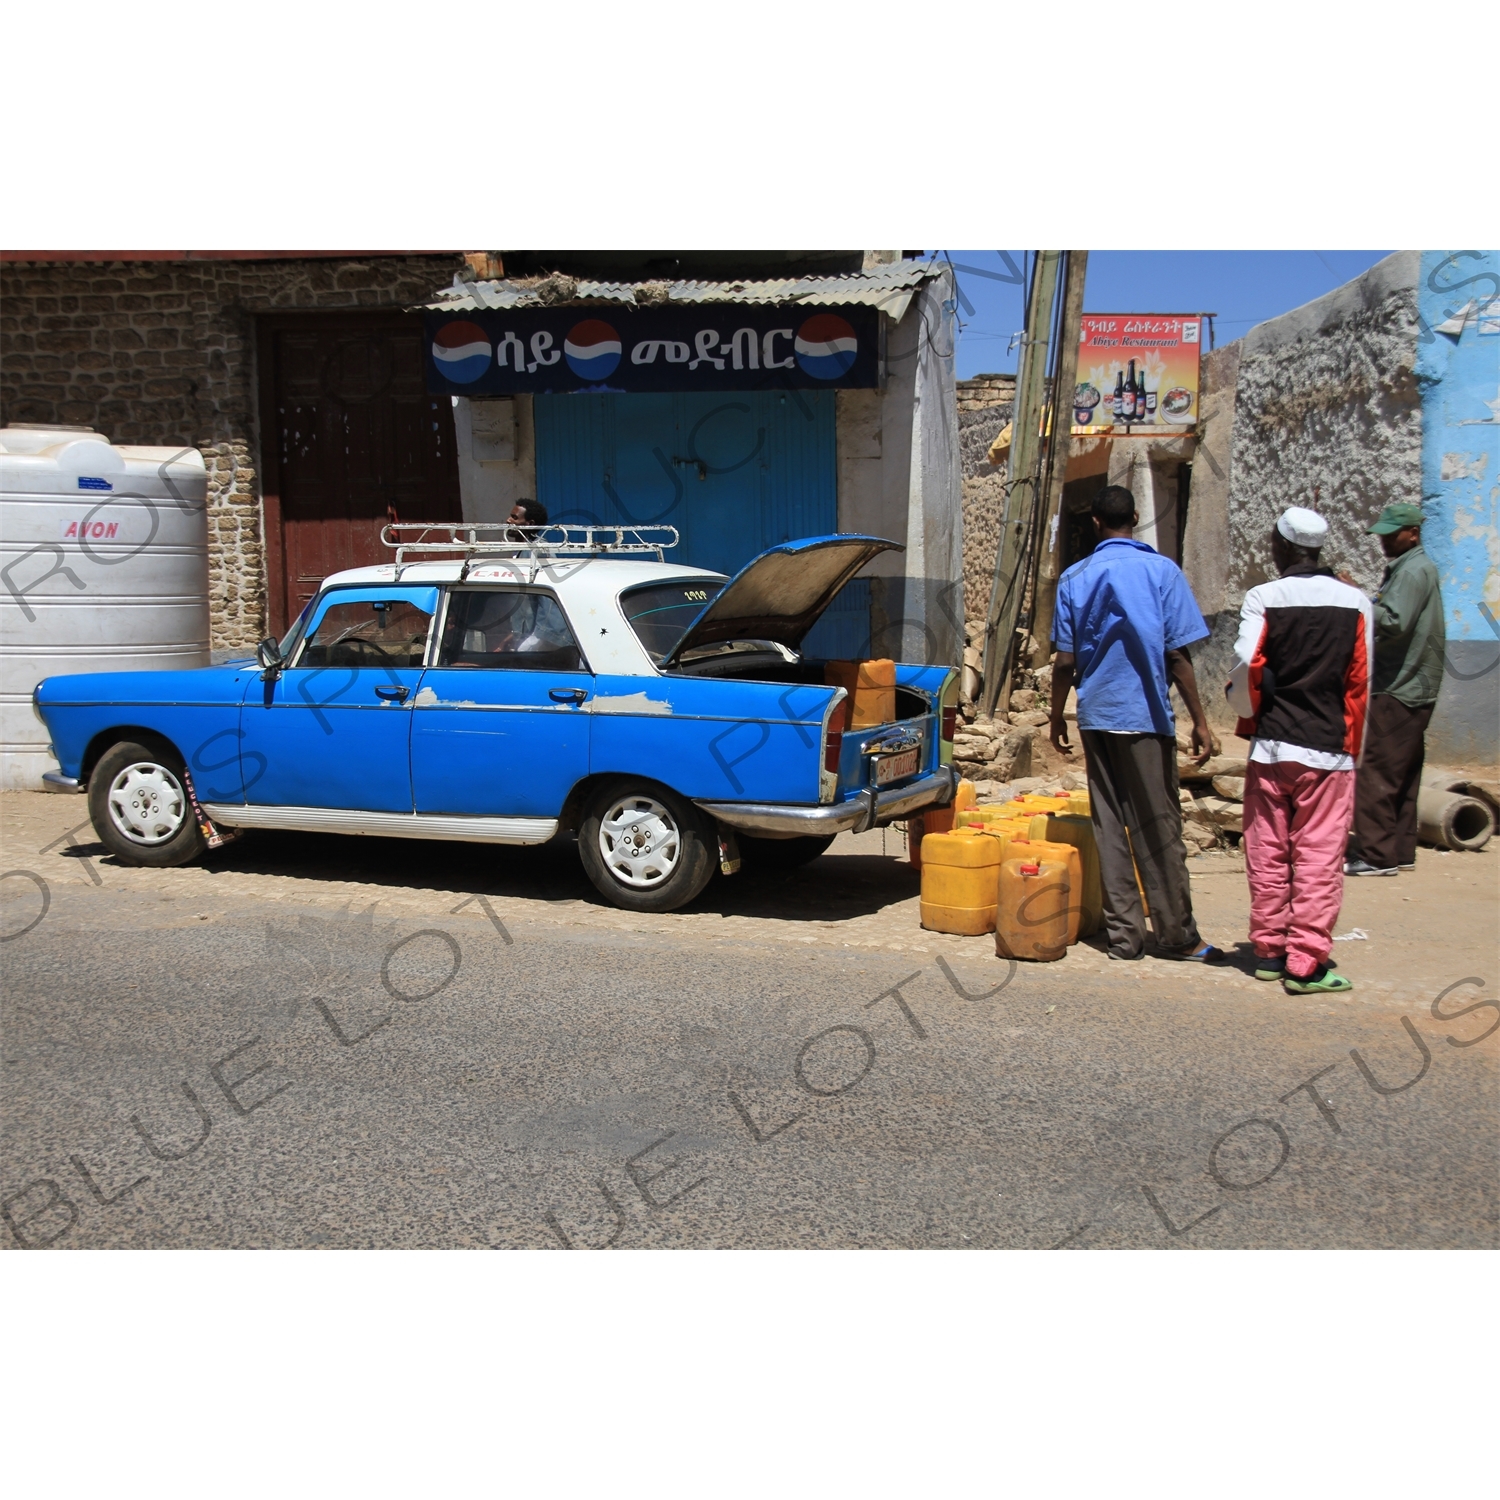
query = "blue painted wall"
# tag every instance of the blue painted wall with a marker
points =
(1458, 372)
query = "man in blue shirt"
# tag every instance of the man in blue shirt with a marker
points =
(1124, 618)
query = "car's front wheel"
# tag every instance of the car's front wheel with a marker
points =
(139, 806)
(644, 848)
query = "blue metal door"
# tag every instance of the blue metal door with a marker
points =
(735, 473)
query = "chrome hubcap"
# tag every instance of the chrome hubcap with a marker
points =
(639, 842)
(146, 803)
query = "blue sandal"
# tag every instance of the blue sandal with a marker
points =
(1206, 954)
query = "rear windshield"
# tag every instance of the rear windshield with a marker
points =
(661, 612)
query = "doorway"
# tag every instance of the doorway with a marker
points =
(734, 472)
(350, 440)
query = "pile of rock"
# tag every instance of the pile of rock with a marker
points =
(999, 750)
(1212, 795)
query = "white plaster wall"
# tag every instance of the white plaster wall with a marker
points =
(489, 489)
(899, 477)
(935, 549)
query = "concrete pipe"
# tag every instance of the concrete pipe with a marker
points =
(1452, 821)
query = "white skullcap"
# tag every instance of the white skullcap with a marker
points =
(1303, 528)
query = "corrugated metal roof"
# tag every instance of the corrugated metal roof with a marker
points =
(890, 288)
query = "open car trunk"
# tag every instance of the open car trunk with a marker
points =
(774, 600)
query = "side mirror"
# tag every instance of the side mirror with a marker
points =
(268, 654)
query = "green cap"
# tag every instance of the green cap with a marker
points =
(1394, 517)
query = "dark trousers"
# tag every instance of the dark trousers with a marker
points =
(1133, 794)
(1385, 792)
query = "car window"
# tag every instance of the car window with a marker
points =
(369, 633)
(661, 612)
(500, 629)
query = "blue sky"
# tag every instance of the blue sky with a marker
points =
(1244, 287)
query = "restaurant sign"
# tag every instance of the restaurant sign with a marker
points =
(708, 347)
(1137, 374)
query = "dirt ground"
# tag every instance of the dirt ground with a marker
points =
(1400, 939)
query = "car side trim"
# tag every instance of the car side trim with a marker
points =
(868, 809)
(384, 824)
(55, 781)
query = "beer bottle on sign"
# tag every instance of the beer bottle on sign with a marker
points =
(1119, 401)
(1130, 411)
(1140, 397)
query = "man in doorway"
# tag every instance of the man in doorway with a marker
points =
(1410, 640)
(1301, 688)
(1125, 616)
(528, 513)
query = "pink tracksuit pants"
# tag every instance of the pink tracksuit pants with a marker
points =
(1296, 825)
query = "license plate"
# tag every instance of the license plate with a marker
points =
(889, 768)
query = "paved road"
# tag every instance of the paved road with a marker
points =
(182, 1071)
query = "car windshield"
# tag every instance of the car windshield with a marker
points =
(661, 612)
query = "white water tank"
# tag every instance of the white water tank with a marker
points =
(103, 568)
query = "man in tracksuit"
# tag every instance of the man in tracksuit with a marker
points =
(1301, 688)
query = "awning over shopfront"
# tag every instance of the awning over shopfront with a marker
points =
(889, 289)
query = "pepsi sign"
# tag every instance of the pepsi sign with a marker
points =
(461, 352)
(709, 347)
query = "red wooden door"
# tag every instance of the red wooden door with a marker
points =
(353, 440)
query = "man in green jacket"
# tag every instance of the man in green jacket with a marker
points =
(1409, 645)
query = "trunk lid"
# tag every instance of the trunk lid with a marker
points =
(779, 595)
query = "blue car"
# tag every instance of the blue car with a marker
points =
(505, 684)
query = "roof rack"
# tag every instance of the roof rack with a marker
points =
(473, 540)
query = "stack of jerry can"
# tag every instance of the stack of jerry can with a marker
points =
(1027, 870)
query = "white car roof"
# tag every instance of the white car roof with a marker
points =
(588, 586)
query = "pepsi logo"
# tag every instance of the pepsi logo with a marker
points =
(826, 347)
(592, 349)
(461, 351)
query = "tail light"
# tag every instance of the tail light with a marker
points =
(950, 722)
(833, 749)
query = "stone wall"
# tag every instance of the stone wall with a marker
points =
(1326, 413)
(984, 407)
(163, 353)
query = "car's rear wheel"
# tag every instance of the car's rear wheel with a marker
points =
(644, 848)
(139, 806)
(782, 854)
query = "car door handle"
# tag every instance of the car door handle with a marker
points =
(392, 690)
(568, 695)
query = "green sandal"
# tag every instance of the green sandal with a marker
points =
(1322, 981)
(1275, 968)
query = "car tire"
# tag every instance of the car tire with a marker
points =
(139, 805)
(645, 848)
(779, 855)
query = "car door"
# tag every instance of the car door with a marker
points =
(499, 726)
(333, 729)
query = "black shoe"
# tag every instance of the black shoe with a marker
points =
(1359, 867)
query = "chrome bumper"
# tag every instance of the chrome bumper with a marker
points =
(55, 781)
(869, 809)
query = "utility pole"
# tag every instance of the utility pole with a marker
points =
(1021, 477)
(1055, 470)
